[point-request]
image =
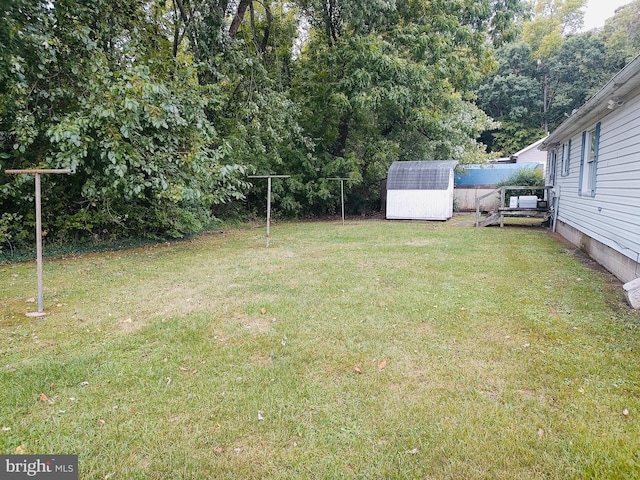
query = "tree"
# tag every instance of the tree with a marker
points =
(577, 71)
(390, 81)
(545, 33)
(96, 89)
(511, 95)
(621, 36)
(161, 108)
(542, 79)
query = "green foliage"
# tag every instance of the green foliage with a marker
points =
(523, 177)
(162, 108)
(146, 159)
(621, 36)
(553, 19)
(541, 79)
(392, 88)
(7, 221)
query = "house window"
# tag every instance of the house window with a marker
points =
(589, 162)
(566, 158)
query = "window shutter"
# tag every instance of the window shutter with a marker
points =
(595, 161)
(582, 153)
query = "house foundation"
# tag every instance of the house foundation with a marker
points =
(623, 267)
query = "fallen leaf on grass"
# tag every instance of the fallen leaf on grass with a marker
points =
(541, 432)
(413, 451)
(357, 370)
(184, 369)
(263, 311)
(101, 423)
(625, 412)
(44, 398)
(382, 364)
(20, 450)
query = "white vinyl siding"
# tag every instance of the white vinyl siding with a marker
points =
(611, 217)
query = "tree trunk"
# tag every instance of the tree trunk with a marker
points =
(343, 135)
(177, 34)
(545, 102)
(327, 10)
(237, 20)
(267, 30)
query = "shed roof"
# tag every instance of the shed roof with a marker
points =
(420, 175)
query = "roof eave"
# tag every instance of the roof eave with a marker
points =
(533, 146)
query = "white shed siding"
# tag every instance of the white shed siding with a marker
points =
(419, 204)
(612, 216)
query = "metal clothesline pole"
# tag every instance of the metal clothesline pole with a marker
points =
(342, 179)
(38, 199)
(269, 177)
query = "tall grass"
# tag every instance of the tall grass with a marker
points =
(370, 350)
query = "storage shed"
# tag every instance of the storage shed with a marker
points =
(421, 190)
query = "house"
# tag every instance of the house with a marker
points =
(420, 190)
(476, 181)
(531, 153)
(594, 169)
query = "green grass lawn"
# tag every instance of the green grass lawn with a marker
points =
(369, 350)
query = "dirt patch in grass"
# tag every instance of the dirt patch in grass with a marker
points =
(129, 325)
(254, 324)
(261, 360)
(425, 328)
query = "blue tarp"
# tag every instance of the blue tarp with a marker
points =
(491, 174)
